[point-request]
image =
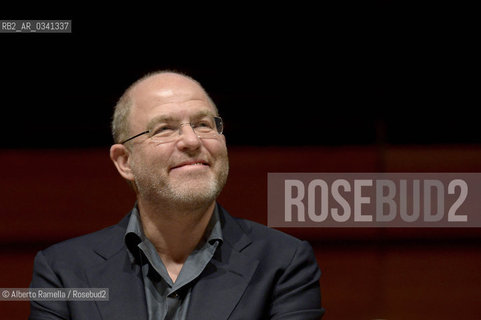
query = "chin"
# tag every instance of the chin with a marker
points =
(193, 192)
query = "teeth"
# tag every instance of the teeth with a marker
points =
(193, 164)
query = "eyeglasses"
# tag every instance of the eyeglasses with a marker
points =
(168, 131)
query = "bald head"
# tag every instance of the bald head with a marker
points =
(154, 88)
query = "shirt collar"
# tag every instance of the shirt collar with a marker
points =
(135, 234)
(214, 228)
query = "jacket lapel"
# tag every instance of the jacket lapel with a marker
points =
(121, 277)
(225, 278)
(213, 297)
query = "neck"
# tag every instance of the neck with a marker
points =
(175, 232)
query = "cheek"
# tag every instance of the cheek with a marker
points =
(159, 162)
(155, 158)
(217, 148)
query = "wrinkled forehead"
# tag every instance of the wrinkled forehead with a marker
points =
(166, 94)
(167, 89)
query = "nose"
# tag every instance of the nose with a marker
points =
(188, 138)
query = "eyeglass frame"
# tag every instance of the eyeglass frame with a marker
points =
(217, 120)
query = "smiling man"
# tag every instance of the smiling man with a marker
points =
(178, 254)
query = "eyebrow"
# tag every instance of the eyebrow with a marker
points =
(167, 118)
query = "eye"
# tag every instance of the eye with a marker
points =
(163, 129)
(205, 124)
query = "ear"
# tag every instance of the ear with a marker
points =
(120, 156)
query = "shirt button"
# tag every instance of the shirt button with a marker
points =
(175, 295)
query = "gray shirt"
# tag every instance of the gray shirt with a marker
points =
(167, 300)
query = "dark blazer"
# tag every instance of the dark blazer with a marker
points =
(257, 273)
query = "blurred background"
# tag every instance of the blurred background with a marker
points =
(377, 87)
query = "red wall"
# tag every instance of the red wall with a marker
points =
(51, 195)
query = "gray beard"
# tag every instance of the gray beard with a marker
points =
(179, 195)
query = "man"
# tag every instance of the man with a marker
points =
(178, 254)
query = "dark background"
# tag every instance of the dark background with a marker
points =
(379, 86)
(338, 74)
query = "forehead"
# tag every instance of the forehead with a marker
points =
(167, 94)
(165, 88)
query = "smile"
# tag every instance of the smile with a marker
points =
(191, 164)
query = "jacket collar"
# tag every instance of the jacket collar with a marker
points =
(225, 278)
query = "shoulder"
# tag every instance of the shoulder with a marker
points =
(235, 227)
(84, 242)
(87, 248)
(268, 244)
(260, 232)
(284, 261)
